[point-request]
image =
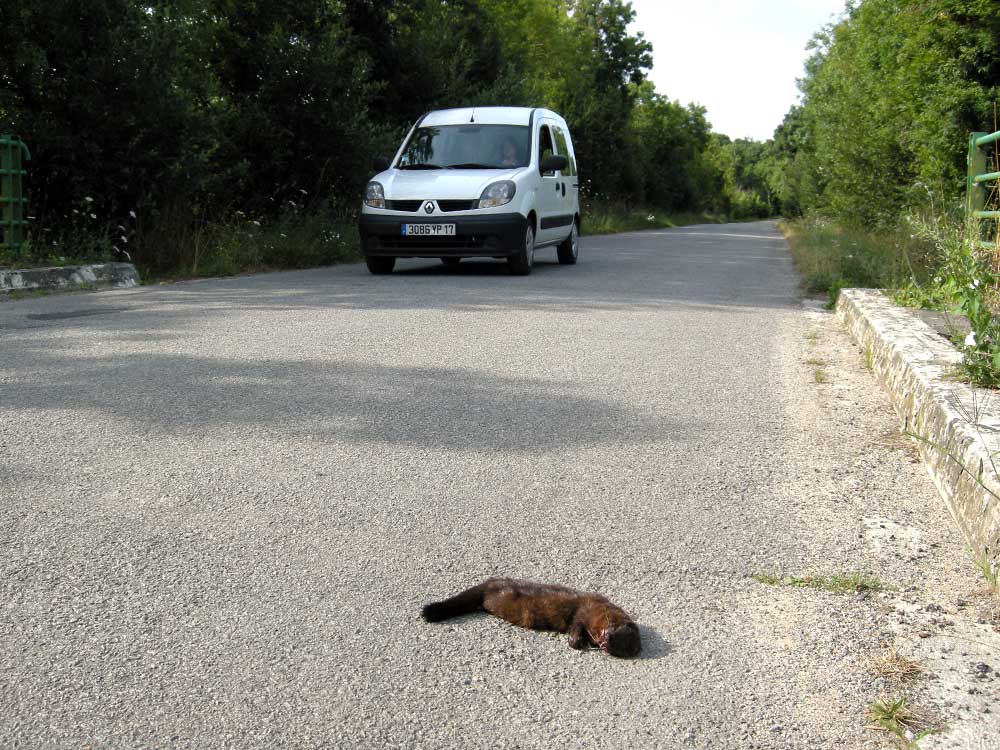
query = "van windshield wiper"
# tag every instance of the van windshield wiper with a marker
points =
(421, 166)
(472, 165)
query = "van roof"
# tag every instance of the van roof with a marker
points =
(483, 115)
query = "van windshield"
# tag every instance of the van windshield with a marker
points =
(467, 147)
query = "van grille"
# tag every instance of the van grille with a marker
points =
(458, 205)
(446, 206)
(403, 205)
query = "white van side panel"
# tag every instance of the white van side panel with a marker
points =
(548, 195)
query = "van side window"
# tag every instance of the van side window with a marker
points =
(564, 150)
(544, 148)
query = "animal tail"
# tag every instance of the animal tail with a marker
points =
(468, 601)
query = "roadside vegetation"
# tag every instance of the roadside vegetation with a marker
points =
(618, 217)
(895, 716)
(869, 170)
(838, 583)
(831, 256)
(197, 137)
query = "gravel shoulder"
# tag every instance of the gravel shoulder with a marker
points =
(939, 615)
(223, 503)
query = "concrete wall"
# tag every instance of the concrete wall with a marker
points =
(69, 277)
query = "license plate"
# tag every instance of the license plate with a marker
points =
(427, 230)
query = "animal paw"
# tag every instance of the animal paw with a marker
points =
(579, 639)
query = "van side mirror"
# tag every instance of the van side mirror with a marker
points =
(381, 163)
(553, 163)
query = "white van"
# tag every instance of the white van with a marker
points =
(478, 182)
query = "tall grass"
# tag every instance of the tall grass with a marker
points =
(831, 257)
(296, 239)
(179, 242)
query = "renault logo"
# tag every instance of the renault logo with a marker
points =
(429, 207)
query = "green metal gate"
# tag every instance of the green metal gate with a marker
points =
(981, 186)
(12, 200)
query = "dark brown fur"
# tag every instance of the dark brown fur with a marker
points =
(590, 619)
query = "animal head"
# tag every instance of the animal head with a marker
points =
(621, 640)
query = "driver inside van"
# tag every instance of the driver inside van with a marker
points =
(511, 156)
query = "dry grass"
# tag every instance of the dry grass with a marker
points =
(892, 666)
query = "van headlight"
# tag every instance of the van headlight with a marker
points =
(497, 194)
(374, 195)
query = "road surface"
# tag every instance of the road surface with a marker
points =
(223, 503)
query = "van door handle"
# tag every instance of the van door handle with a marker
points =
(564, 189)
(557, 187)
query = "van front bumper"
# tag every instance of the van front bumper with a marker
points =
(481, 236)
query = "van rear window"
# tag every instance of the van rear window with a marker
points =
(469, 146)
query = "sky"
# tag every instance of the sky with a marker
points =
(737, 58)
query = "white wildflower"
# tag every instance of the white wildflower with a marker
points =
(970, 340)
(93, 216)
(132, 214)
(255, 223)
(89, 199)
(284, 235)
(976, 282)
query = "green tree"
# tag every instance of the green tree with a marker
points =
(889, 97)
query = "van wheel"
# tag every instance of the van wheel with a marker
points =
(520, 264)
(569, 248)
(451, 261)
(380, 265)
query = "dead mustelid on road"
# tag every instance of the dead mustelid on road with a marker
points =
(590, 619)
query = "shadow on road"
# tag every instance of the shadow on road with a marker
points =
(455, 409)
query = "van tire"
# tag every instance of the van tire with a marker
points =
(378, 264)
(569, 249)
(520, 264)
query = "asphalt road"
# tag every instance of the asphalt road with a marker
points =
(222, 504)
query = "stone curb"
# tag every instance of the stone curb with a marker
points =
(961, 424)
(118, 275)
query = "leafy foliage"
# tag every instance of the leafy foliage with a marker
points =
(889, 96)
